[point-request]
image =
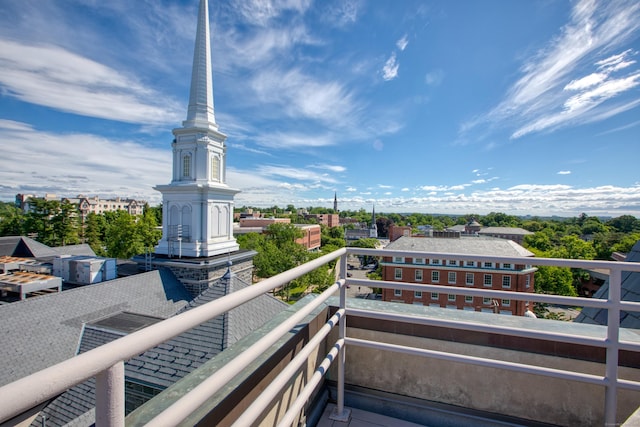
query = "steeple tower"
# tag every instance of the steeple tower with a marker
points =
(197, 214)
(335, 202)
(373, 230)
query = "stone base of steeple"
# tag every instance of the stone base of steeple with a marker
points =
(198, 274)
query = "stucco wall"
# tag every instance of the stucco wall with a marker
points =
(538, 398)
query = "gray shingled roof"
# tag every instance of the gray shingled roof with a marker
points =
(168, 362)
(82, 249)
(630, 291)
(504, 230)
(466, 245)
(78, 403)
(39, 332)
(21, 246)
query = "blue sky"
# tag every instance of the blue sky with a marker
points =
(454, 107)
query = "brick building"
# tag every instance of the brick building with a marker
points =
(312, 238)
(442, 270)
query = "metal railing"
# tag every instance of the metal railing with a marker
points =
(106, 363)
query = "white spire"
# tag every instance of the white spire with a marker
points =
(200, 112)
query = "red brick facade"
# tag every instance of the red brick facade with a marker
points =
(470, 274)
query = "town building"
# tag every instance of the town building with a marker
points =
(447, 271)
(329, 220)
(312, 233)
(96, 205)
(473, 227)
(87, 205)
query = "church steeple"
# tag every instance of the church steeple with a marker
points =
(335, 202)
(197, 215)
(200, 112)
(373, 230)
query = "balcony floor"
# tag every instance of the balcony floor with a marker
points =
(360, 418)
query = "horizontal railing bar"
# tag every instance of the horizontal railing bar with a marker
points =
(488, 293)
(196, 397)
(477, 327)
(293, 411)
(489, 363)
(559, 262)
(38, 387)
(628, 384)
(284, 377)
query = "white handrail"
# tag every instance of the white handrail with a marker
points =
(30, 391)
(106, 361)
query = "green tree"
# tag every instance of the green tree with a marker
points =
(64, 224)
(625, 224)
(11, 220)
(122, 237)
(94, 232)
(554, 280)
(147, 229)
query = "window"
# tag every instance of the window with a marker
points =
(435, 261)
(418, 260)
(468, 299)
(434, 295)
(451, 297)
(506, 302)
(417, 294)
(453, 262)
(215, 168)
(398, 274)
(470, 263)
(506, 281)
(398, 259)
(452, 277)
(186, 166)
(469, 279)
(488, 265)
(506, 266)
(487, 280)
(397, 292)
(435, 276)
(527, 281)
(418, 275)
(486, 301)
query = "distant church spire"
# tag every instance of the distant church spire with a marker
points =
(200, 112)
(335, 202)
(373, 230)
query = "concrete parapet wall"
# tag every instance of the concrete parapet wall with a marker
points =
(533, 397)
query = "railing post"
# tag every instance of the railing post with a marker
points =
(613, 344)
(340, 413)
(110, 396)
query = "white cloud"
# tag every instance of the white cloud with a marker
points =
(434, 78)
(390, 68)
(402, 43)
(404, 189)
(331, 168)
(54, 77)
(564, 172)
(294, 173)
(302, 96)
(544, 98)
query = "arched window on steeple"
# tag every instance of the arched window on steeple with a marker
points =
(186, 166)
(215, 168)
